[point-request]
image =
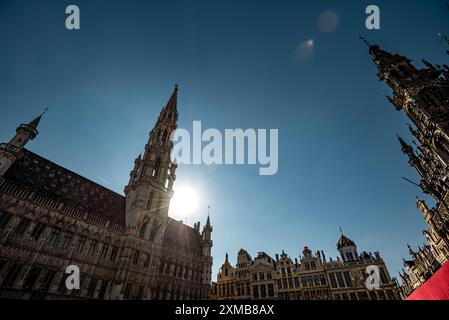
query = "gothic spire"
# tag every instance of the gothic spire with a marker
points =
(35, 122)
(407, 149)
(208, 217)
(173, 101)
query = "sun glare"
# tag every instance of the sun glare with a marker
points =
(184, 202)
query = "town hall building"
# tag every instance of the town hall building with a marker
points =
(125, 246)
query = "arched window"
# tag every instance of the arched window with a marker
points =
(164, 137)
(150, 200)
(143, 229)
(156, 167)
(442, 147)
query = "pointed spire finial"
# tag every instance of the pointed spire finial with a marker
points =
(45, 111)
(341, 230)
(208, 217)
(35, 122)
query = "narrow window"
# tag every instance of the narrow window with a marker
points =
(37, 231)
(22, 227)
(53, 237)
(113, 253)
(66, 240)
(4, 220)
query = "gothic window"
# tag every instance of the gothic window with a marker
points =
(161, 267)
(113, 253)
(79, 245)
(316, 280)
(442, 146)
(22, 227)
(46, 281)
(92, 246)
(92, 286)
(140, 293)
(263, 291)
(341, 283)
(322, 280)
(142, 230)
(164, 137)
(66, 240)
(31, 278)
(62, 286)
(12, 275)
(226, 272)
(383, 276)
(104, 251)
(296, 280)
(290, 283)
(4, 220)
(37, 231)
(333, 281)
(53, 237)
(154, 230)
(156, 167)
(102, 291)
(150, 200)
(127, 291)
(348, 279)
(349, 256)
(284, 283)
(270, 290)
(136, 257)
(256, 292)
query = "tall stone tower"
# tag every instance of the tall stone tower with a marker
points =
(9, 152)
(423, 94)
(150, 186)
(206, 244)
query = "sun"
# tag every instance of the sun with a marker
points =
(184, 202)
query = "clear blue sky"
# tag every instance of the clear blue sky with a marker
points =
(339, 161)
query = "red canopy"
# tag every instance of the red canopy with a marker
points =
(436, 288)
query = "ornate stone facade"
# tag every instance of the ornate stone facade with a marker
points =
(125, 246)
(311, 277)
(423, 95)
